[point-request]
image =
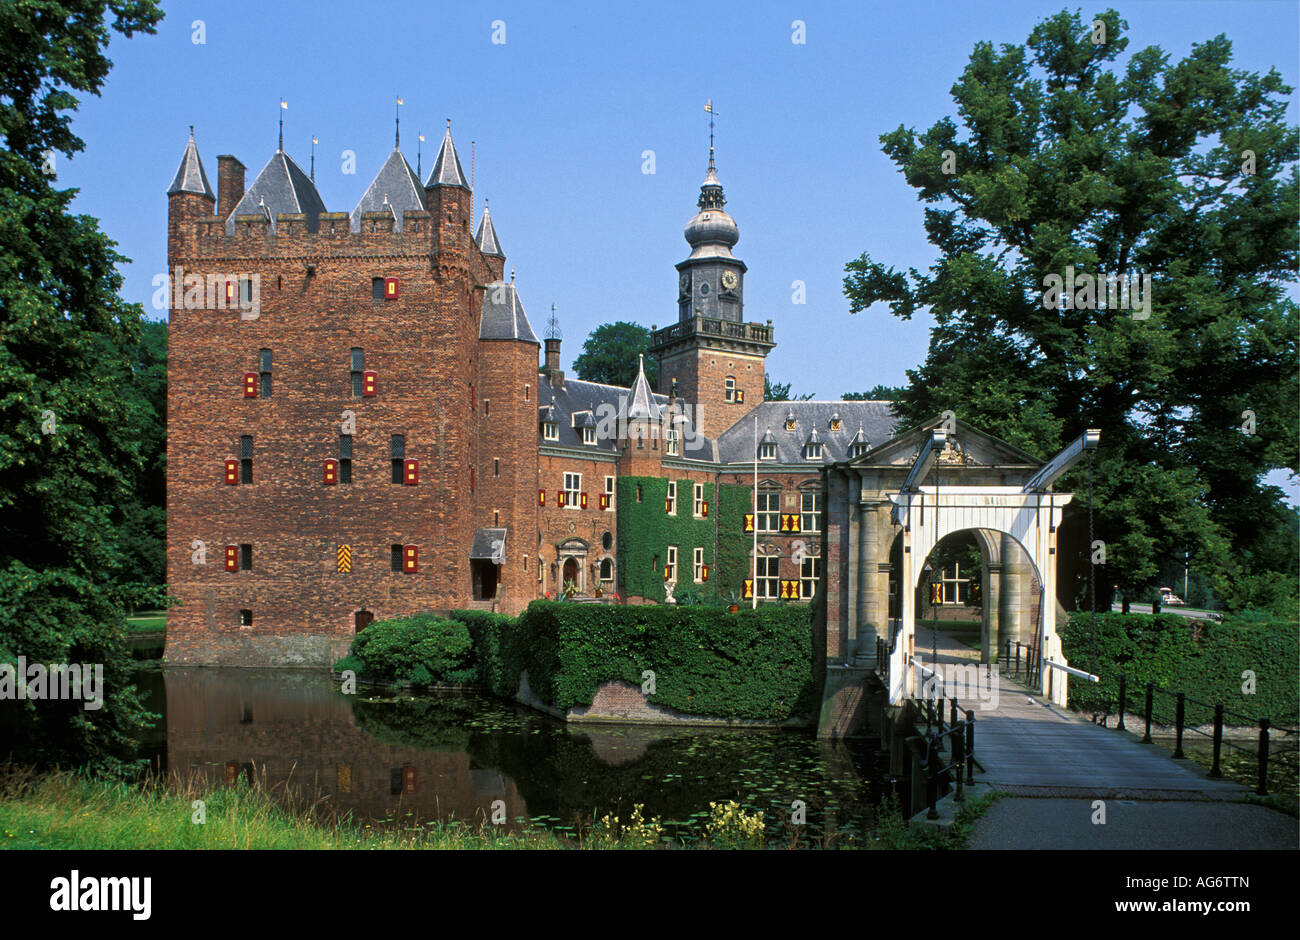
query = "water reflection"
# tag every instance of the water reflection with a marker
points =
(452, 756)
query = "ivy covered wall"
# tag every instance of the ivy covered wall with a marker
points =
(645, 531)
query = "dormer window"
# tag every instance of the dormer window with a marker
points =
(835, 421)
(589, 435)
(550, 431)
(789, 421)
(767, 450)
(858, 449)
(812, 450)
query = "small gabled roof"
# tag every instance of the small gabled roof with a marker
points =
(546, 412)
(486, 237)
(503, 315)
(281, 187)
(190, 177)
(446, 169)
(812, 425)
(395, 189)
(489, 545)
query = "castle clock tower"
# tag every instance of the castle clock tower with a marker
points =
(716, 358)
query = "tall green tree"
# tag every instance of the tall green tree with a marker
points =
(610, 355)
(70, 421)
(875, 393)
(780, 391)
(1185, 172)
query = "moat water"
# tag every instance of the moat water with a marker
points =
(395, 760)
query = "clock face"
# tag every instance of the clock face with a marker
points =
(685, 284)
(729, 280)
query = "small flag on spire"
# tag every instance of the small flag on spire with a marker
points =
(708, 106)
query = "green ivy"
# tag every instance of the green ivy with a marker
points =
(1202, 658)
(645, 531)
(423, 650)
(754, 664)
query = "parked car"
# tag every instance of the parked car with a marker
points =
(1170, 599)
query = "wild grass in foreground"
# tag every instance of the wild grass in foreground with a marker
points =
(63, 810)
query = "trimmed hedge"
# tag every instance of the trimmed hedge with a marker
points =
(1201, 658)
(422, 650)
(754, 664)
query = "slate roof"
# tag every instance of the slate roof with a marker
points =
(190, 177)
(737, 444)
(489, 545)
(640, 398)
(486, 236)
(282, 186)
(503, 315)
(395, 188)
(576, 396)
(446, 169)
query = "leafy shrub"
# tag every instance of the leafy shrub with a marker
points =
(422, 650)
(1201, 658)
(754, 664)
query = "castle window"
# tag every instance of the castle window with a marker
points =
(697, 565)
(768, 570)
(671, 442)
(264, 370)
(638, 492)
(487, 408)
(246, 459)
(670, 569)
(496, 517)
(573, 490)
(731, 388)
(246, 557)
(670, 504)
(811, 512)
(377, 288)
(399, 458)
(527, 393)
(496, 466)
(769, 512)
(767, 450)
(858, 449)
(345, 458)
(550, 431)
(245, 618)
(810, 572)
(358, 364)
(609, 495)
(812, 450)
(589, 435)
(395, 557)
(699, 501)
(606, 571)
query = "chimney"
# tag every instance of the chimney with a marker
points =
(230, 184)
(553, 355)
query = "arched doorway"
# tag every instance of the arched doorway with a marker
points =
(569, 573)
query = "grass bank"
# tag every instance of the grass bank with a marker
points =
(73, 811)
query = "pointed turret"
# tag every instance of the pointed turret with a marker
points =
(504, 317)
(190, 177)
(395, 189)
(640, 402)
(486, 237)
(446, 169)
(281, 187)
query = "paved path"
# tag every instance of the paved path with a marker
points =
(1056, 764)
(1069, 824)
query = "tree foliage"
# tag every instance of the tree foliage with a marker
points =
(780, 391)
(611, 352)
(71, 424)
(1182, 171)
(876, 393)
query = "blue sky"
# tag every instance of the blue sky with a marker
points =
(562, 112)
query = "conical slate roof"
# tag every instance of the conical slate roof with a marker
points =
(190, 177)
(281, 187)
(446, 169)
(486, 237)
(641, 403)
(395, 188)
(503, 315)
